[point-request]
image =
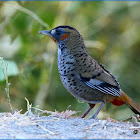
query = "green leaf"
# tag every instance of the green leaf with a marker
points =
(12, 69)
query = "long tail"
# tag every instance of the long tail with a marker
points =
(131, 103)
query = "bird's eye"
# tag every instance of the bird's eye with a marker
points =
(58, 33)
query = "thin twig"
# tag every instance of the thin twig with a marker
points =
(134, 127)
(7, 90)
(120, 130)
(94, 124)
(29, 12)
(34, 121)
(46, 130)
(29, 106)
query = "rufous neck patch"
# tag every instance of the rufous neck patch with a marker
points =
(53, 39)
(64, 36)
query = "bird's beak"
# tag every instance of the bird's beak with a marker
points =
(45, 32)
(48, 33)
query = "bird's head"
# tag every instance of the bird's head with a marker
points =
(64, 36)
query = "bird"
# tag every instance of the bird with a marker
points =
(82, 76)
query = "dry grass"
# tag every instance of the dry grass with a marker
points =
(62, 125)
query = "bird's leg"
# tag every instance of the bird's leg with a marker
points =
(95, 115)
(88, 110)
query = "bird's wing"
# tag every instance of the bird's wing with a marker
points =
(97, 77)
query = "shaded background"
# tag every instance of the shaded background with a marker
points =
(111, 31)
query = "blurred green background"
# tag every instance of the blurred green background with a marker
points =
(111, 31)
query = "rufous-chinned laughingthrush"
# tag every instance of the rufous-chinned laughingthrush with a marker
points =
(83, 76)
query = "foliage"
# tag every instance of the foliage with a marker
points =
(12, 69)
(111, 33)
